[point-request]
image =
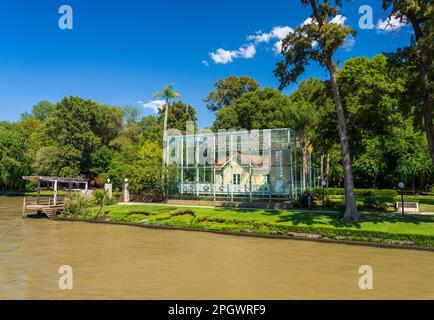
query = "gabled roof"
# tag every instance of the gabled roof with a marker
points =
(256, 160)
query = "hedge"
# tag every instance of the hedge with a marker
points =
(383, 193)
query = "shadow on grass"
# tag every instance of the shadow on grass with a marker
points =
(333, 219)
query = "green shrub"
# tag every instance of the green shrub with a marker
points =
(78, 205)
(101, 198)
(31, 186)
(383, 193)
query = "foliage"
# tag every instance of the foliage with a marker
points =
(318, 41)
(101, 198)
(229, 89)
(178, 116)
(100, 160)
(167, 93)
(15, 161)
(260, 109)
(131, 116)
(359, 192)
(41, 111)
(79, 127)
(78, 205)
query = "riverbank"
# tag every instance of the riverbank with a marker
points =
(378, 229)
(112, 261)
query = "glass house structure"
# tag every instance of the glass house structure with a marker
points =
(256, 165)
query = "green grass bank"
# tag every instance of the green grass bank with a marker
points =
(379, 228)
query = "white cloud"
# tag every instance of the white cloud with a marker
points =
(349, 43)
(154, 105)
(306, 22)
(393, 23)
(278, 32)
(339, 19)
(222, 56)
(278, 46)
(205, 63)
(276, 36)
(281, 32)
(247, 52)
(260, 37)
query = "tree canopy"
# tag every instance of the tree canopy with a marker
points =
(229, 89)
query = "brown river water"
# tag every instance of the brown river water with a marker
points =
(123, 262)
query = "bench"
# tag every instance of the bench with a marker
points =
(408, 206)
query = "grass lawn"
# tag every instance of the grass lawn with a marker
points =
(387, 204)
(373, 227)
(426, 203)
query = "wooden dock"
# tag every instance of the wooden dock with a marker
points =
(49, 206)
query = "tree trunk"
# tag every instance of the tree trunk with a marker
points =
(328, 169)
(427, 109)
(351, 213)
(322, 167)
(304, 145)
(163, 162)
(423, 75)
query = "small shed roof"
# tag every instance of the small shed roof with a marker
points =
(53, 179)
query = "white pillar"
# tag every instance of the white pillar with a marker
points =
(108, 187)
(126, 192)
(55, 192)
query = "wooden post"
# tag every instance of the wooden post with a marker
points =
(38, 190)
(24, 207)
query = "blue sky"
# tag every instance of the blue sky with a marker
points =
(122, 52)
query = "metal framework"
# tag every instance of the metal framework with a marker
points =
(244, 165)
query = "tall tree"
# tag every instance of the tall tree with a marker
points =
(14, 158)
(420, 14)
(179, 114)
(79, 127)
(167, 94)
(261, 109)
(41, 111)
(229, 89)
(132, 114)
(303, 117)
(319, 41)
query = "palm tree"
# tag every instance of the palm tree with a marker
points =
(167, 94)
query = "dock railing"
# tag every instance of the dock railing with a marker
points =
(42, 203)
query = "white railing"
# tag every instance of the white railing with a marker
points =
(210, 188)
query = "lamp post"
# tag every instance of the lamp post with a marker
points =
(401, 186)
(323, 184)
